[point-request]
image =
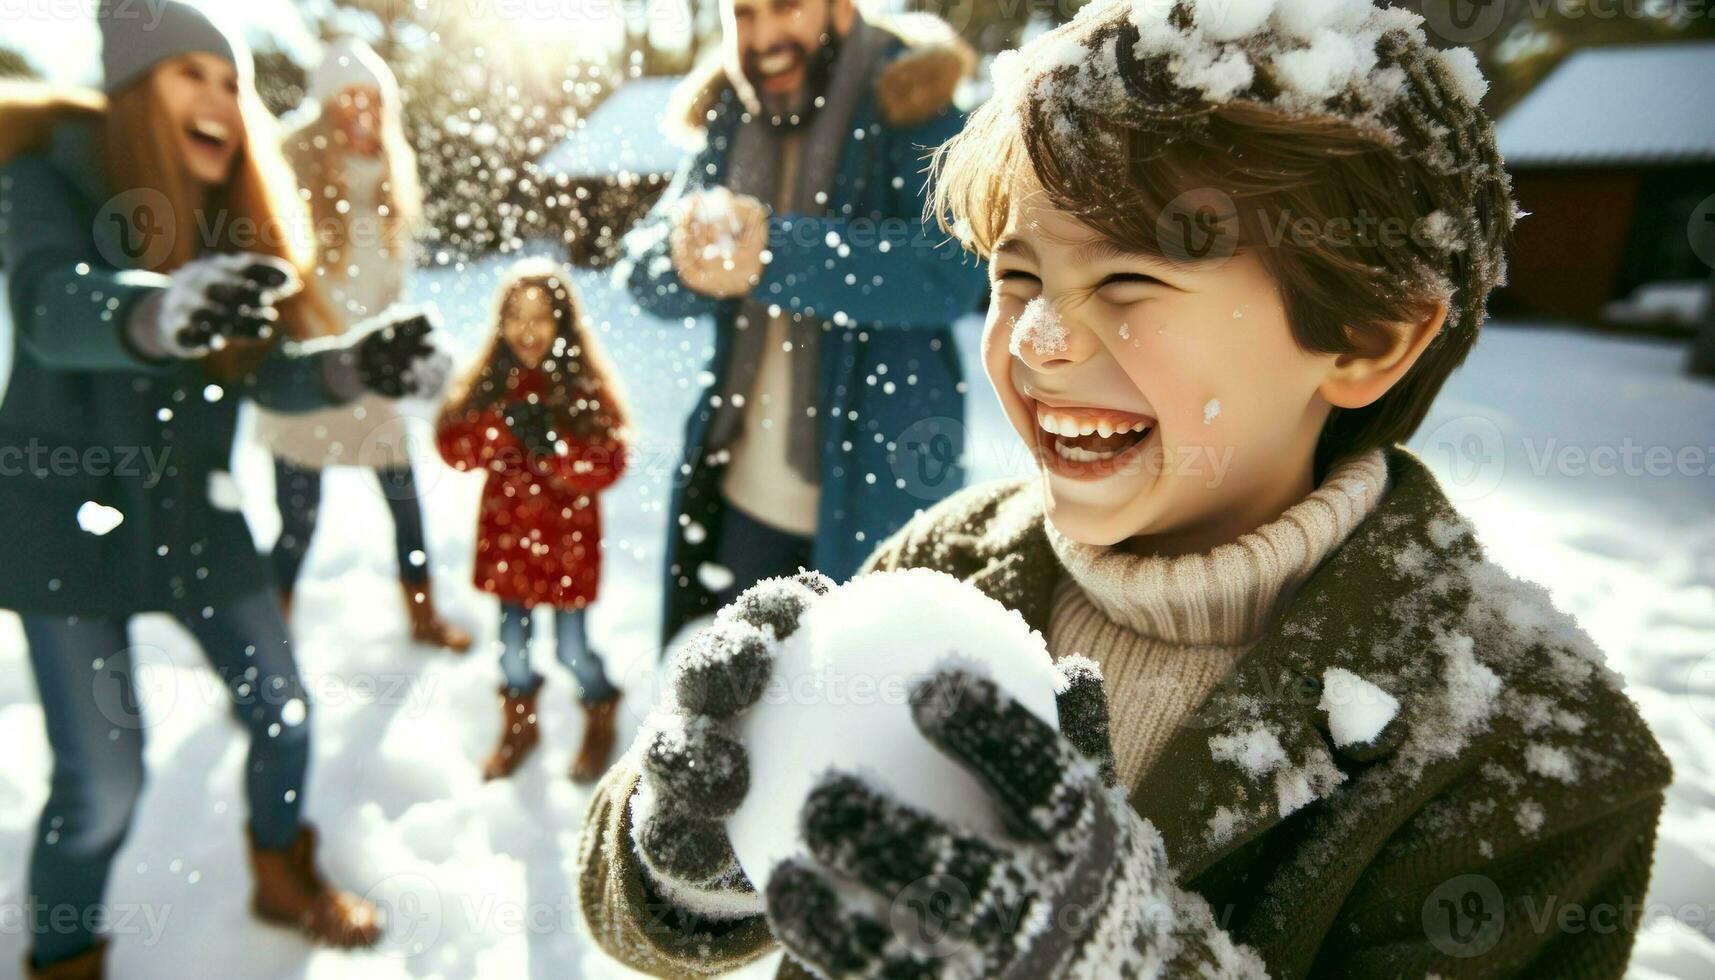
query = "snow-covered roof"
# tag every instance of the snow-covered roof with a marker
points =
(1617, 104)
(623, 135)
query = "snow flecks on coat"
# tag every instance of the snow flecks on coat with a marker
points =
(1256, 750)
(1550, 761)
(1358, 710)
(1530, 816)
(1466, 697)
(1474, 653)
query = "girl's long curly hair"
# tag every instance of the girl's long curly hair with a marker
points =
(582, 386)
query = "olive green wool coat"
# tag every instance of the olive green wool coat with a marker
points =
(1501, 824)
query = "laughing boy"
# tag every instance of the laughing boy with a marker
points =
(1236, 248)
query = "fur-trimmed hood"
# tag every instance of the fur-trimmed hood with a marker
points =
(32, 111)
(913, 88)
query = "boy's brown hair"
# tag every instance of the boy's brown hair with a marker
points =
(1370, 205)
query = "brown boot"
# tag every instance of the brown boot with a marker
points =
(427, 626)
(86, 965)
(518, 731)
(597, 748)
(291, 892)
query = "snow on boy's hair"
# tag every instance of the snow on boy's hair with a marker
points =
(1329, 137)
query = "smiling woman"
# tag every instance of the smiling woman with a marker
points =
(198, 96)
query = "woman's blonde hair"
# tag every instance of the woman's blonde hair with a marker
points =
(315, 150)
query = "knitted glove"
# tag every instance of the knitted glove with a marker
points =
(210, 301)
(393, 355)
(1079, 888)
(531, 423)
(695, 772)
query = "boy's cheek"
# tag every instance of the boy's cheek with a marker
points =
(998, 362)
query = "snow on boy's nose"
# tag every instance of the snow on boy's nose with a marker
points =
(1041, 339)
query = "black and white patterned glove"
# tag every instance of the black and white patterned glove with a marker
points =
(695, 771)
(1079, 887)
(394, 355)
(532, 424)
(211, 301)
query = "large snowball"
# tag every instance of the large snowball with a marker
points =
(839, 699)
(1229, 20)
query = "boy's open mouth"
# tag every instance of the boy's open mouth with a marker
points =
(1088, 443)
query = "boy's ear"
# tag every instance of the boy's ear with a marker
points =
(1359, 377)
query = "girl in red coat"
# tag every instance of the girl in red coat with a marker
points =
(542, 415)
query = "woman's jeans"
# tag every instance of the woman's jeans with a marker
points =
(571, 641)
(298, 493)
(95, 724)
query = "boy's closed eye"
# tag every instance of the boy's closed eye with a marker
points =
(1126, 288)
(1117, 288)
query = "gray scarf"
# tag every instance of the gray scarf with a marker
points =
(754, 169)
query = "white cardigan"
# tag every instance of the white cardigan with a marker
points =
(370, 432)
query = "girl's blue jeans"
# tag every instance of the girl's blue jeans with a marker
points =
(571, 644)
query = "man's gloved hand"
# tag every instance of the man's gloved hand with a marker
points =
(695, 772)
(532, 423)
(210, 301)
(719, 244)
(1080, 887)
(394, 356)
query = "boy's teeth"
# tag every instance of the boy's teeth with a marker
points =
(1065, 425)
(1080, 455)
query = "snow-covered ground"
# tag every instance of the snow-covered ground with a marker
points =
(477, 877)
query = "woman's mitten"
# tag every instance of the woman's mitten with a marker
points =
(395, 357)
(210, 301)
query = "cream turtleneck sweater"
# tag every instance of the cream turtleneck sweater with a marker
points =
(1166, 630)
